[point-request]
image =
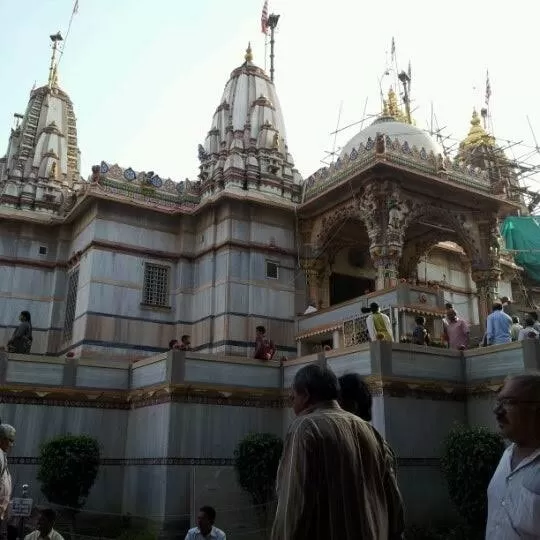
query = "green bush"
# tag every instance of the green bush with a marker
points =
(68, 466)
(256, 462)
(469, 460)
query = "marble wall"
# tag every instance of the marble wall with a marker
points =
(219, 287)
(168, 425)
(33, 278)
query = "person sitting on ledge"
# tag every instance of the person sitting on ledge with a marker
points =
(185, 343)
(173, 344)
(264, 347)
(21, 340)
(378, 324)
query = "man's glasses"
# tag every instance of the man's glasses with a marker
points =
(513, 402)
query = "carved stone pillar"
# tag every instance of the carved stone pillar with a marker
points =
(324, 286)
(487, 283)
(314, 271)
(386, 262)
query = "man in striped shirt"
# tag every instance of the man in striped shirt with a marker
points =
(334, 481)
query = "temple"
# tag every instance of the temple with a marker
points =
(115, 265)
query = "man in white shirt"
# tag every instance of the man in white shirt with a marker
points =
(514, 490)
(45, 530)
(205, 529)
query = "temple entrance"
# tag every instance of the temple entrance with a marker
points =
(344, 287)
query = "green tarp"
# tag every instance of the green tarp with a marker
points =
(522, 235)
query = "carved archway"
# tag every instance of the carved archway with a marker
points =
(339, 228)
(447, 226)
(328, 226)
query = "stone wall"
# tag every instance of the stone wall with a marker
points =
(168, 424)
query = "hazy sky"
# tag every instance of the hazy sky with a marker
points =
(146, 76)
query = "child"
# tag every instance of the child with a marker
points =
(420, 334)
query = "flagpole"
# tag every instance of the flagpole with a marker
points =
(73, 13)
(272, 24)
(265, 50)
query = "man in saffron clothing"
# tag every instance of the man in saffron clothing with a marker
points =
(335, 480)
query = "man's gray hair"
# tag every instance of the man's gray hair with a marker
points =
(319, 382)
(529, 381)
(7, 431)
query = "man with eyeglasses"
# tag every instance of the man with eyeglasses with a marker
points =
(514, 490)
(7, 440)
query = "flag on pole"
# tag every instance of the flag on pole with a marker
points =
(488, 88)
(393, 50)
(264, 18)
(76, 7)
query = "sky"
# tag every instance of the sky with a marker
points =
(145, 76)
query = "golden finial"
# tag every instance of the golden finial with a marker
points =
(477, 135)
(392, 108)
(55, 38)
(249, 55)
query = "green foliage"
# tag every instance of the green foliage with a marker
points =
(68, 466)
(256, 462)
(469, 460)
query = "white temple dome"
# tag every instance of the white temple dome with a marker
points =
(247, 143)
(47, 135)
(395, 129)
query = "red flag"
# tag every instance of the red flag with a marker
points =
(264, 18)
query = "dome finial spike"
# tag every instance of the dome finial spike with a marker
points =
(249, 55)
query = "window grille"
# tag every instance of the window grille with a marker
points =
(71, 304)
(272, 270)
(156, 285)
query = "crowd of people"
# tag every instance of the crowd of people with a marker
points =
(500, 327)
(337, 475)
